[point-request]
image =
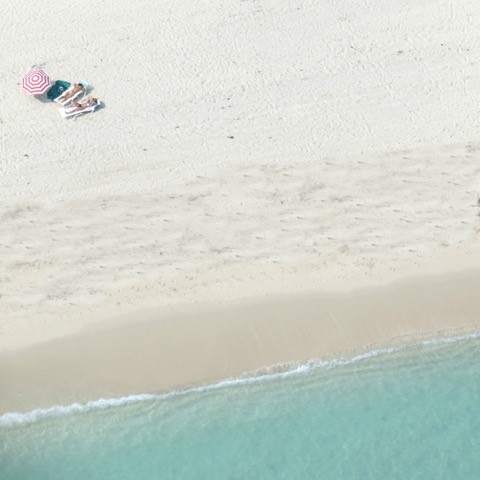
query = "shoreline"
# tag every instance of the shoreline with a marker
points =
(164, 353)
(8, 419)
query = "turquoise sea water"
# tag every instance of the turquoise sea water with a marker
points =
(412, 413)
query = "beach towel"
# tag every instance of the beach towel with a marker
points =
(57, 89)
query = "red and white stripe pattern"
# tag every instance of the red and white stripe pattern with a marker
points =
(36, 82)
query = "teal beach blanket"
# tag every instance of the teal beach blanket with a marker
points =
(57, 89)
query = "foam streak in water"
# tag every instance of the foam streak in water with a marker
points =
(272, 373)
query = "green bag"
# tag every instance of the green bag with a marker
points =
(57, 89)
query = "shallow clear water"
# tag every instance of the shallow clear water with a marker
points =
(413, 413)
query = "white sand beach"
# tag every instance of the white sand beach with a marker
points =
(246, 151)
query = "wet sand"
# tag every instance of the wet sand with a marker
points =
(170, 352)
(170, 238)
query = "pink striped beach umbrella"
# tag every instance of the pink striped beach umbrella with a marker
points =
(36, 82)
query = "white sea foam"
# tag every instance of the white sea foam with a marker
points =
(271, 373)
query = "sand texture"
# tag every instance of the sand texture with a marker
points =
(355, 153)
(246, 149)
(165, 353)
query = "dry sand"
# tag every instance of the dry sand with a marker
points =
(246, 149)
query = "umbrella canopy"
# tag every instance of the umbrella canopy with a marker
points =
(36, 82)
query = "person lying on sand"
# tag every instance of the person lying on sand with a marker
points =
(79, 106)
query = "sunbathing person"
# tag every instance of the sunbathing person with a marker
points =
(71, 92)
(79, 106)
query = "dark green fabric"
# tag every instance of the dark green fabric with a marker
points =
(57, 89)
